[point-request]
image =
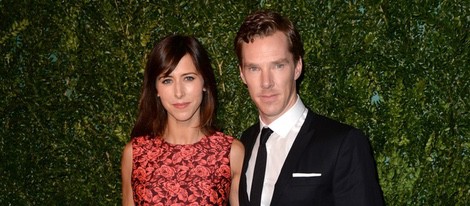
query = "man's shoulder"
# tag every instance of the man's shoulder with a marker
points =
(333, 133)
(321, 121)
(327, 125)
(253, 129)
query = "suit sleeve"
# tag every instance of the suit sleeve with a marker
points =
(355, 181)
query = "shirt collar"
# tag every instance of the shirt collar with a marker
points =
(286, 121)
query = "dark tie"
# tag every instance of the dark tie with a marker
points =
(260, 168)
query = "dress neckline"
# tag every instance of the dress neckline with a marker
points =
(203, 138)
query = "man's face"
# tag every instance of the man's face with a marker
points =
(269, 71)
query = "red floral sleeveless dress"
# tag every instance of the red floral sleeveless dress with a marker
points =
(195, 174)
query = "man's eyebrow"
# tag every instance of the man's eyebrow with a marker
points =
(283, 60)
(278, 61)
(250, 65)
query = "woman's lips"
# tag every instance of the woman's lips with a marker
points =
(181, 105)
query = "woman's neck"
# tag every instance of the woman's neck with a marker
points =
(179, 134)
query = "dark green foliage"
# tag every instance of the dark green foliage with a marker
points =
(71, 73)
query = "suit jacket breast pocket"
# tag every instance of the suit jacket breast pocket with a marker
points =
(303, 191)
(306, 181)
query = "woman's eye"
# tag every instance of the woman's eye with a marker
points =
(166, 81)
(189, 78)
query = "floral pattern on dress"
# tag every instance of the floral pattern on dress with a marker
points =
(195, 174)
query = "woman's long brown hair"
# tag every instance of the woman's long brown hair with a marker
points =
(152, 117)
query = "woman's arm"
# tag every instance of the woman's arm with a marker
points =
(126, 172)
(236, 162)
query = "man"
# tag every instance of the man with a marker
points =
(308, 159)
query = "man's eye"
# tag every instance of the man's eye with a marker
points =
(253, 68)
(279, 66)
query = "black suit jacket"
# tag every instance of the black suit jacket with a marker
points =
(342, 155)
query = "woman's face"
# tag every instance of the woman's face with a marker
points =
(181, 92)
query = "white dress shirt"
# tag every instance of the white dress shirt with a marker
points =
(285, 129)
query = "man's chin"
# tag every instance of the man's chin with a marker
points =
(269, 113)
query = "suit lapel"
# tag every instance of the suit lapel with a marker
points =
(248, 139)
(300, 143)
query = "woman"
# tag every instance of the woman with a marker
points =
(176, 156)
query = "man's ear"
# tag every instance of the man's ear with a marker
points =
(241, 74)
(298, 69)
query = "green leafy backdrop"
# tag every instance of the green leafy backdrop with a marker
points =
(71, 73)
